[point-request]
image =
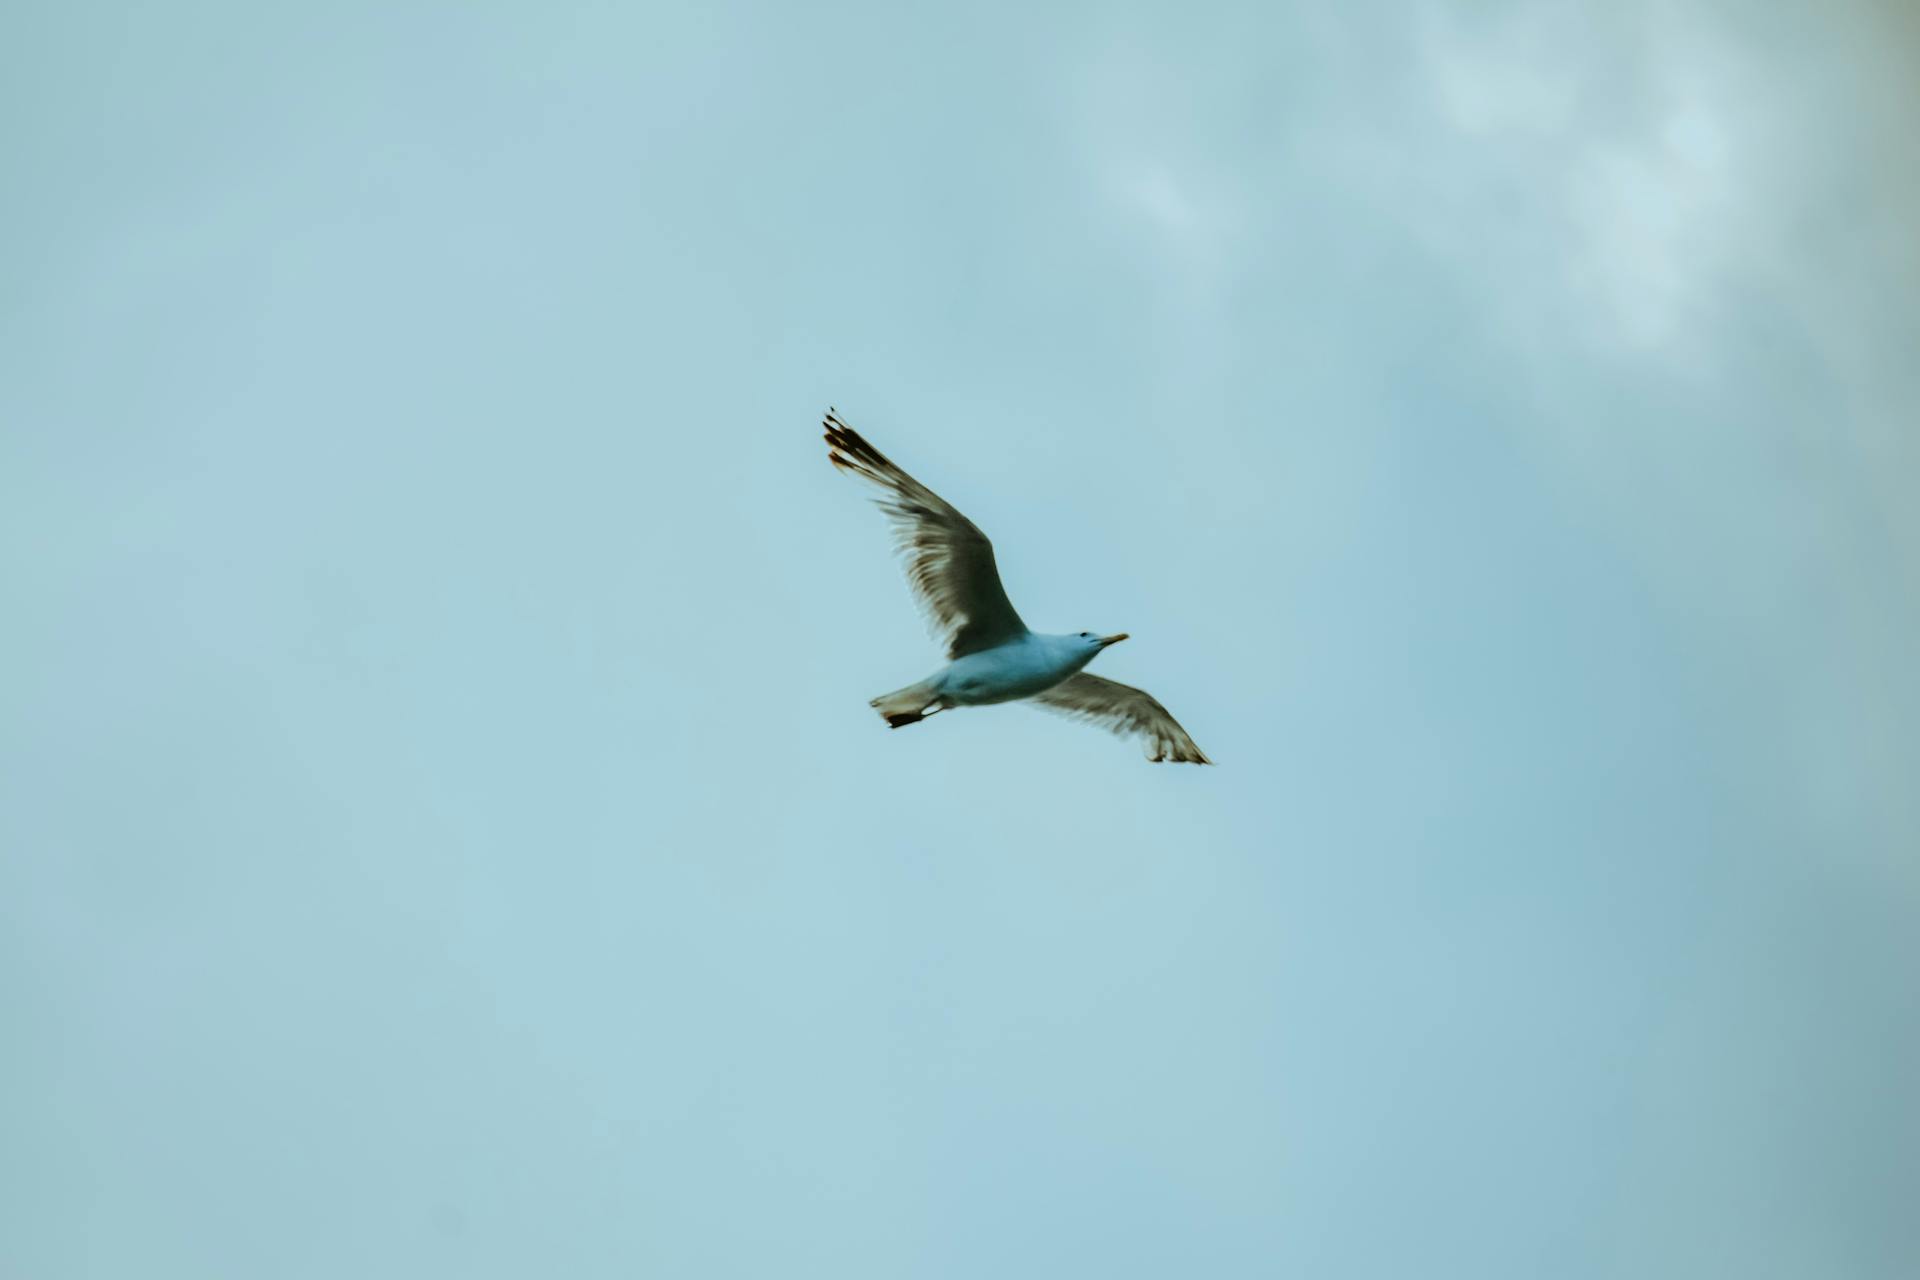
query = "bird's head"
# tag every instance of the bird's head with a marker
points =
(1095, 643)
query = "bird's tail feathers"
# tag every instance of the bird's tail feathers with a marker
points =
(909, 705)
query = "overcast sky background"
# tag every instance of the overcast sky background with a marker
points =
(442, 831)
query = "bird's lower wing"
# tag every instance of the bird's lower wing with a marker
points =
(1125, 710)
(950, 564)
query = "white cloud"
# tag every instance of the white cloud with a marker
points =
(1651, 224)
(1628, 133)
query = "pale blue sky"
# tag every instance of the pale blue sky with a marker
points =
(442, 832)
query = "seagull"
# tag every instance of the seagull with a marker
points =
(991, 656)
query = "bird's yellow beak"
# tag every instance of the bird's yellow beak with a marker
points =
(1113, 639)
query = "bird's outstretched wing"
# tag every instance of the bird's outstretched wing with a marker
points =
(1125, 710)
(949, 561)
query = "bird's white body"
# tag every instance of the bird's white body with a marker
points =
(1032, 664)
(1025, 666)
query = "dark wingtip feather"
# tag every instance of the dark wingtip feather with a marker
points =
(853, 444)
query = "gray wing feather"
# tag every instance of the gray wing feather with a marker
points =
(950, 564)
(1125, 710)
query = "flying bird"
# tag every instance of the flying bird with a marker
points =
(991, 656)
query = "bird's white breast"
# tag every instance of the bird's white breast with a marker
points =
(1021, 669)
